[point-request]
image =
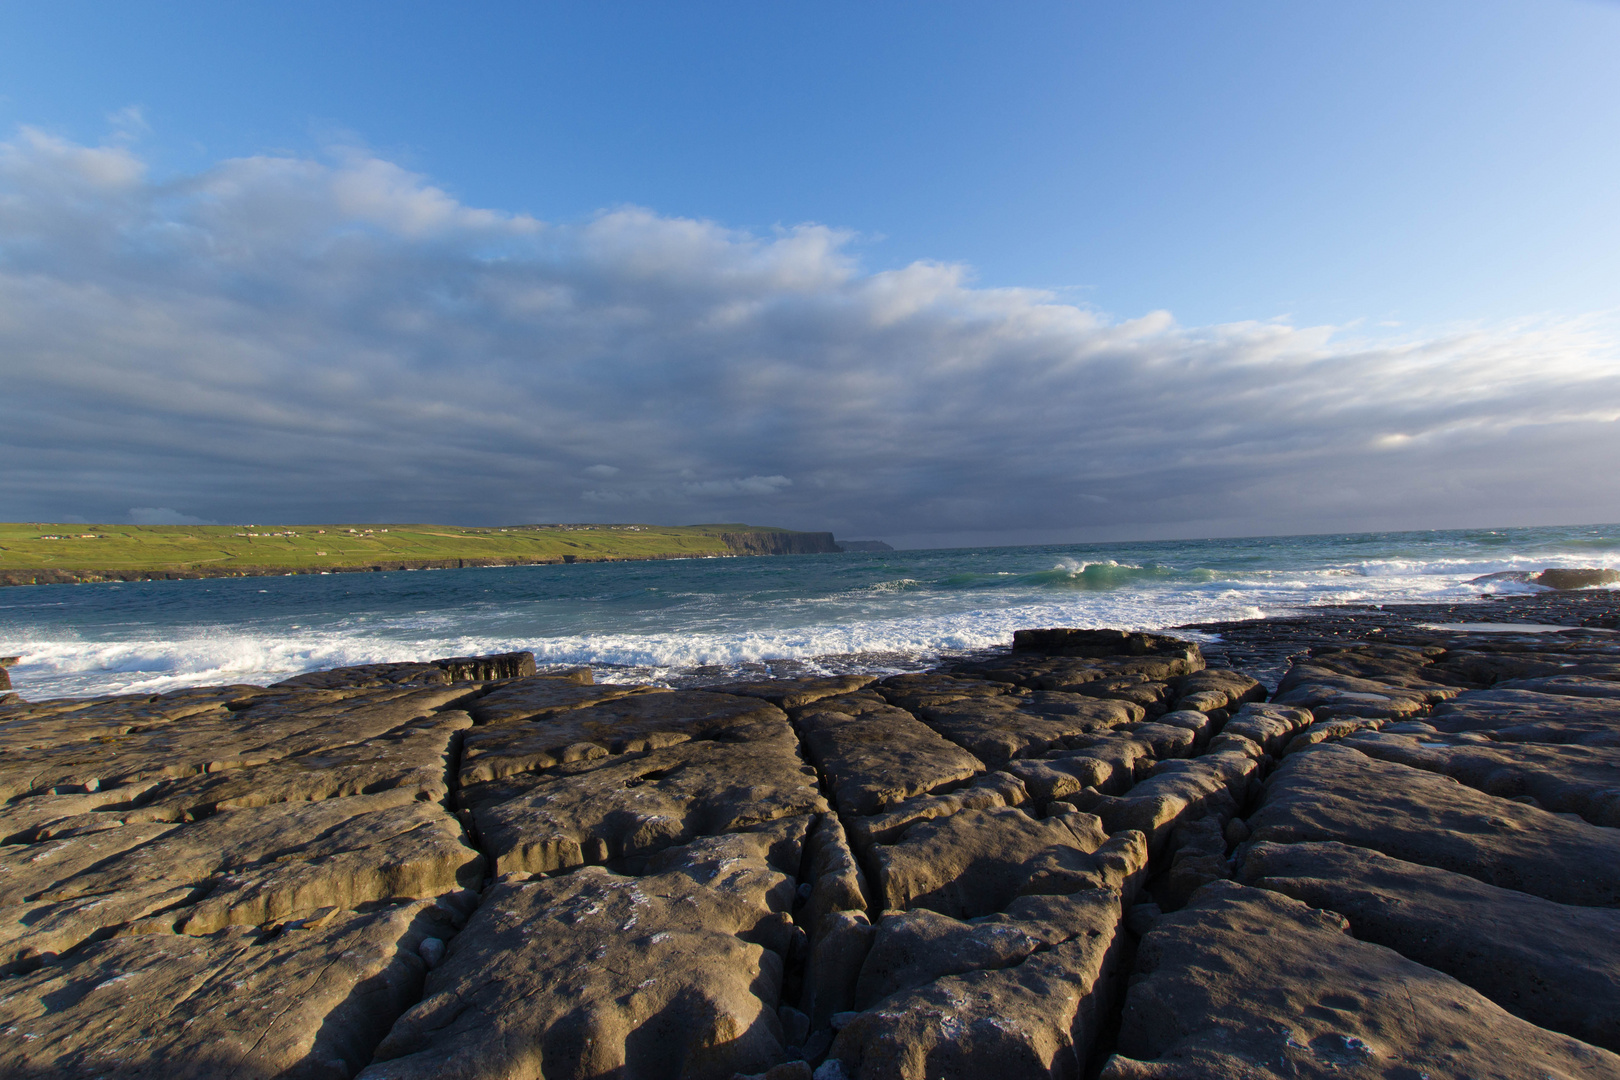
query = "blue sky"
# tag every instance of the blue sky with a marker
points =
(1433, 180)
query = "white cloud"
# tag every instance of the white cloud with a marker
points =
(283, 338)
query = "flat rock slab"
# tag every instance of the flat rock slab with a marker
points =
(1538, 960)
(874, 755)
(411, 761)
(1332, 793)
(1565, 779)
(1215, 688)
(1035, 1019)
(913, 948)
(637, 804)
(1328, 694)
(1270, 727)
(239, 867)
(1606, 685)
(46, 724)
(673, 974)
(1175, 791)
(307, 1001)
(622, 726)
(269, 729)
(1530, 716)
(984, 793)
(1067, 673)
(976, 862)
(1246, 983)
(998, 729)
(796, 693)
(543, 696)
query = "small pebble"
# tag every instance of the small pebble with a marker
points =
(431, 951)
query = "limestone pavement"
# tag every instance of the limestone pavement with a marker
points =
(1089, 855)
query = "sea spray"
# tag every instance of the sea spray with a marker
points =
(881, 611)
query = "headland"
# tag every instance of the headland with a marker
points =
(35, 553)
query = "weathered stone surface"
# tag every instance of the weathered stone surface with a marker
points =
(797, 693)
(411, 763)
(1245, 983)
(1175, 791)
(836, 880)
(1331, 792)
(975, 862)
(1565, 779)
(1165, 740)
(1197, 857)
(432, 672)
(1327, 730)
(1329, 694)
(1538, 960)
(984, 793)
(1575, 579)
(329, 804)
(368, 677)
(1215, 688)
(997, 721)
(675, 973)
(640, 803)
(1109, 763)
(999, 729)
(837, 953)
(1606, 685)
(621, 726)
(1528, 716)
(1035, 1018)
(270, 728)
(310, 1001)
(1391, 665)
(544, 696)
(239, 867)
(1097, 644)
(1154, 697)
(510, 665)
(913, 948)
(46, 724)
(875, 755)
(1069, 674)
(1199, 723)
(1270, 727)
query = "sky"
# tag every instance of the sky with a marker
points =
(934, 273)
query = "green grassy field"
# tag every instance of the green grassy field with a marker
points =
(226, 549)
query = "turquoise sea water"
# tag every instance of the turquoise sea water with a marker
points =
(663, 620)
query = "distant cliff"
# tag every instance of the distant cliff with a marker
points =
(779, 543)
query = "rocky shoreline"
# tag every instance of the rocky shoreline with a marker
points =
(1091, 854)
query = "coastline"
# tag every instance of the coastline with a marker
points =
(727, 541)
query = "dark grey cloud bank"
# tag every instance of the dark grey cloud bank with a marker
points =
(287, 339)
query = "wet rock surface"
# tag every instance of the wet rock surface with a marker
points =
(1379, 849)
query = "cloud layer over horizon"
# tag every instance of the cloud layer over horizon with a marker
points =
(300, 339)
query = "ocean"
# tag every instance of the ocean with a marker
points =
(691, 621)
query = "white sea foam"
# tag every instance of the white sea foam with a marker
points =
(947, 605)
